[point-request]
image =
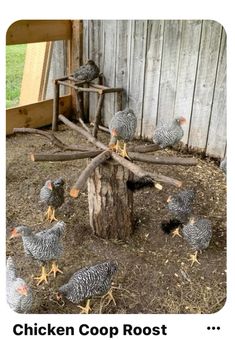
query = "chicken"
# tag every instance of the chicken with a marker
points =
(198, 234)
(88, 72)
(89, 282)
(52, 194)
(43, 246)
(122, 127)
(19, 294)
(223, 165)
(180, 206)
(169, 134)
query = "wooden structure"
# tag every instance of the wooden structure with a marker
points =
(166, 68)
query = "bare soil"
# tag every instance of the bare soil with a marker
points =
(154, 274)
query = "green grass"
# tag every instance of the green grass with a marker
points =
(15, 57)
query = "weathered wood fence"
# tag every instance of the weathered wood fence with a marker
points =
(167, 68)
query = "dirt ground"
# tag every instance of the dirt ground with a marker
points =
(154, 274)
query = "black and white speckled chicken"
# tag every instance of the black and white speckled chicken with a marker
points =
(223, 165)
(198, 233)
(43, 246)
(88, 72)
(19, 294)
(122, 127)
(52, 194)
(180, 206)
(89, 282)
(169, 134)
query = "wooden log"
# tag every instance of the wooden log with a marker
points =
(54, 140)
(101, 128)
(143, 148)
(110, 202)
(98, 115)
(84, 125)
(79, 185)
(60, 157)
(139, 172)
(162, 160)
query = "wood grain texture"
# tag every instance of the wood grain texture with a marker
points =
(29, 31)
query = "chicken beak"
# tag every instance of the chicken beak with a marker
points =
(169, 199)
(14, 234)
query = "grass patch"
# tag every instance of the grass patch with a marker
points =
(15, 57)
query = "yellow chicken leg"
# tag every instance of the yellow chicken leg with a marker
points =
(193, 258)
(86, 309)
(43, 276)
(176, 232)
(52, 218)
(109, 297)
(48, 213)
(54, 269)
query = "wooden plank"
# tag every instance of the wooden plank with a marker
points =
(137, 70)
(109, 66)
(216, 143)
(188, 59)
(29, 31)
(95, 35)
(169, 70)
(35, 115)
(205, 81)
(122, 59)
(35, 72)
(152, 77)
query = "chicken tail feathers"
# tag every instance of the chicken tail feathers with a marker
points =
(137, 184)
(168, 226)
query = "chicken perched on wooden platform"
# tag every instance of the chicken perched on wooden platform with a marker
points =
(169, 134)
(19, 294)
(43, 246)
(198, 233)
(52, 194)
(180, 206)
(122, 127)
(88, 72)
(89, 282)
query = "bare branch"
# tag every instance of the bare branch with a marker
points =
(84, 125)
(79, 185)
(143, 148)
(162, 160)
(42, 157)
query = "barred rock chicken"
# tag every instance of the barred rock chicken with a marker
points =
(89, 282)
(198, 234)
(122, 127)
(169, 134)
(223, 165)
(180, 206)
(43, 246)
(88, 72)
(52, 194)
(19, 294)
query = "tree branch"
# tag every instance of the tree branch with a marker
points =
(143, 148)
(42, 157)
(54, 140)
(78, 186)
(162, 160)
(132, 167)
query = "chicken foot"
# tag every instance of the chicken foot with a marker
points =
(86, 309)
(54, 269)
(43, 276)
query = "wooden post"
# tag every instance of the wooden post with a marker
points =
(98, 115)
(79, 104)
(110, 202)
(56, 106)
(119, 101)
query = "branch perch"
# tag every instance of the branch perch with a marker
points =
(139, 172)
(43, 157)
(79, 185)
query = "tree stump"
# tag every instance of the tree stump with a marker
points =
(110, 201)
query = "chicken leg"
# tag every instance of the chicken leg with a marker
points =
(54, 269)
(43, 276)
(50, 214)
(86, 309)
(176, 232)
(109, 297)
(193, 258)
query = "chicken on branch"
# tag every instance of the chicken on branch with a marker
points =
(19, 294)
(122, 127)
(52, 195)
(89, 282)
(198, 233)
(43, 246)
(169, 134)
(88, 72)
